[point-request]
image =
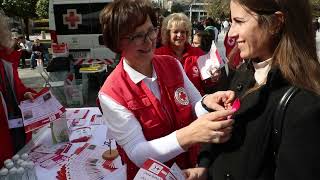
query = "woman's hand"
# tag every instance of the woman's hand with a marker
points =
(196, 173)
(219, 100)
(214, 127)
(29, 95)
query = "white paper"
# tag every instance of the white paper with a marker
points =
(119, 174)
(43, 110)
(88, 164)
(154, 170)
(80, 135)
(77, 113)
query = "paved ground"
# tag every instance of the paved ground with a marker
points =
(33, 79)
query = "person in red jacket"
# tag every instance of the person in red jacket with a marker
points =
(12, 92)
(232, 51)
(176, 31)
(148, 101)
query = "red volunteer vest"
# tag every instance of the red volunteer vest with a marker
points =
(156, 118)
(189, 63)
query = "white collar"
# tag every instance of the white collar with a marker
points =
(261, 70)
(136, 76)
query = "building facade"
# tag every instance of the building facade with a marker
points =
(197, 10)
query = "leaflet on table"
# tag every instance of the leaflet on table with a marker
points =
(87, 163)
(82, 134)
(81, 125)
(44, 109)
(48, 157)
(77, 113)
(120, 173)
(210, 62)
(155, 170)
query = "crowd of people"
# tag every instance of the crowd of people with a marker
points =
(149, 118)
(32, 50)
(157, 106)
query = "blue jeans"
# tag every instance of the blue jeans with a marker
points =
(34, 56)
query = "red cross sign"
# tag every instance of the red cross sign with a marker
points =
(72, 19)
(183, 96)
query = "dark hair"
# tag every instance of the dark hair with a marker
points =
(120, 18)
(21, 37)
(209, 22)
(206, 40)
(294, 42)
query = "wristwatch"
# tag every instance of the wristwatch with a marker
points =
(205, 106)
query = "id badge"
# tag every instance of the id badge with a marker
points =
(15, 123)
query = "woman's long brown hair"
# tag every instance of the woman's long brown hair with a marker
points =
(295, 46)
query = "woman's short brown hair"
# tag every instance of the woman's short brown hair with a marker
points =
(122, 17)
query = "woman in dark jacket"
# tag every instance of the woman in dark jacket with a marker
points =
(277, 40)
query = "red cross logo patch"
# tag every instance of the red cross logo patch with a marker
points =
(181, 96)
(72, 19)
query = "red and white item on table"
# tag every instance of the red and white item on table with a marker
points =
(155, 170)
(45, 108)
(48, 157)
(87, 164)
(82, 134)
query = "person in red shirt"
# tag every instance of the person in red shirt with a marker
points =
(12, 92)
(176, 31)
(232, 51)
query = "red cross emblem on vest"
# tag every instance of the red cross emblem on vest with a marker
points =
(72, 19)
(181, 96)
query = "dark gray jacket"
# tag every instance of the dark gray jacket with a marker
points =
(248, 154)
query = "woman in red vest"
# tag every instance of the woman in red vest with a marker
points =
(176, 30)
(12, 92)
(148, 101)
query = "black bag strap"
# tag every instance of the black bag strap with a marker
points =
(279, 116)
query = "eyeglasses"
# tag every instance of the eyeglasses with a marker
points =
(140, 38)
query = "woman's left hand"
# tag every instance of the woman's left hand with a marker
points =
(195, 173)
(219, 100)
(29, 95)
